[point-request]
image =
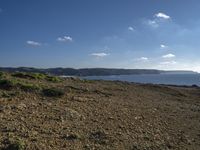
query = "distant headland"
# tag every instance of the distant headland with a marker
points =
(92, 71)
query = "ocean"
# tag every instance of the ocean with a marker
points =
(170, 79)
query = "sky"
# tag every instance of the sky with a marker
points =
(141, 34)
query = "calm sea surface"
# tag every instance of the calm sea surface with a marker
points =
(173, 79)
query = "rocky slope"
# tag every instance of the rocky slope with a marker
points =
(43, 113)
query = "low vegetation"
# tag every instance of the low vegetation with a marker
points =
(1, 74)
(29, 87)
(7, 84)
(29, 75)
(53, 92)
(53, 79)
(9, 94)
(36, 76)
(16, 145)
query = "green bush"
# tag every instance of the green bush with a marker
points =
(17, 145)
(35, 76)
(1, 74)
(38, 75)
(21, 75)
(9, 95)
(29, 75)
(29, 87)
(53, 92)
(7, 84)
(53, 79)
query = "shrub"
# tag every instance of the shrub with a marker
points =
(21, 75)
(7, 84)
(38, 75)
(53, 92)
(17, 145)
(1, 74)
(29, 87)
(195, 86)
(29, 75)
(53, 79)
(9, 95)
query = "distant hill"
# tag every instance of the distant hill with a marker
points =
(89, 71)
(179, 72)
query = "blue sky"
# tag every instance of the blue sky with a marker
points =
(158, 34)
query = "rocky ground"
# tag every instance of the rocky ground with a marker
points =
(97, 115)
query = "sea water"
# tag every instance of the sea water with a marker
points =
(171, 79)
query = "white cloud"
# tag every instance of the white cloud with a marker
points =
(153, 23)
(168, 63)
(168, 56)
(143, 59)
(157, 20)
(33, 43)
(161, 15)
(130, 28)
(99, 54)
(65, 39)
(163, 46)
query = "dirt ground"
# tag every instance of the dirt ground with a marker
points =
(101, 115)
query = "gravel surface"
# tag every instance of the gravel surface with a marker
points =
(101, 115)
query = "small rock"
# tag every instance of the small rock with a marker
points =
(21, 106)
(111, 118)
(71, 114)
(71, 137)
(99, 137)
(22, 118)
(2, 108)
